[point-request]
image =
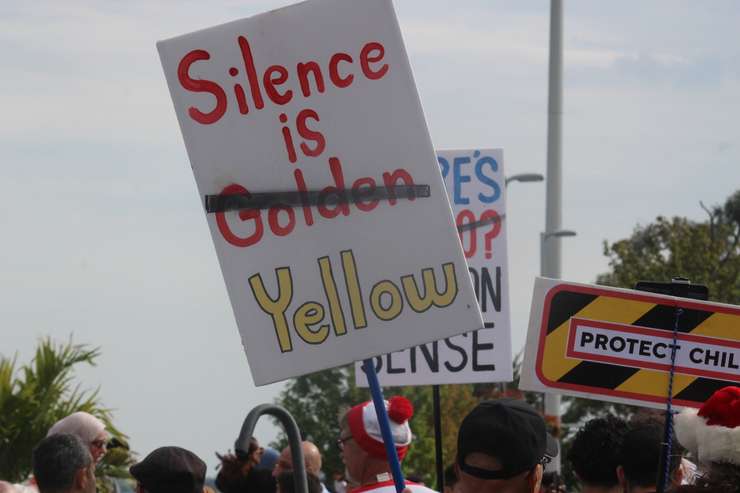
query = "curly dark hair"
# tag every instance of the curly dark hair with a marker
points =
(642, 448)
(594, 452)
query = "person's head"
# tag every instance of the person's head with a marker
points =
(286, 483)
(88, 428)
(502, 446)
(361, 443)
(62, 464)
(311, 457)
(639, 456)
(169, 470)
(712, 435)
(269, 459)
(594, 454)
(718, 478)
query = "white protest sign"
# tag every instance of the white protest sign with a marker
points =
(318, 99)
(616, 344)
(475, 184)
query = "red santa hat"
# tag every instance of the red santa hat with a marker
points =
(363, 424)
(712, 433)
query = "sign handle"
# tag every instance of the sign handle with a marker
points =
(438, 438)
(664, 463)
(385, 427)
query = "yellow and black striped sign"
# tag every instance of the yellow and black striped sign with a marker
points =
(617, 343)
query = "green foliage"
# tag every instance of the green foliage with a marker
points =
(705, 252)
(315, 401)
(34, 396)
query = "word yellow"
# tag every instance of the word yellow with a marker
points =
(386, 301)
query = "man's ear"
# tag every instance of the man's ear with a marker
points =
(621, 478)
(83, 478)
(677, 476)
(535, 482)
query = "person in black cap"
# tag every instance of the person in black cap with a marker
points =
(170, 470)
(502, 446)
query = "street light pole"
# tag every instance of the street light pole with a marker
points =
(550, 239)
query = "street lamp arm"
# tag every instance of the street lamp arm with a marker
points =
(523, 177)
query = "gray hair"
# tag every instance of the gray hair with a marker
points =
(56, 460)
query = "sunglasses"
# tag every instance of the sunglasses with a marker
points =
(340, 442)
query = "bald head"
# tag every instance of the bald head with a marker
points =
(311, 457)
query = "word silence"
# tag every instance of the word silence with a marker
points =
(277, 82)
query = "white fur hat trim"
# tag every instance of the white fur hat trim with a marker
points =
(714, 443)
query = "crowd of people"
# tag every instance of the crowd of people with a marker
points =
(502, 447)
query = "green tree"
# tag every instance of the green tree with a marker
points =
(315, 402)
(36, 395)
(706, 252)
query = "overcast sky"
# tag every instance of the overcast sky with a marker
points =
(103, 235)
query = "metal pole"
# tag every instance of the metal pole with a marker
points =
(550, 245)
(438, 438)
(385, 426)
(241, 446)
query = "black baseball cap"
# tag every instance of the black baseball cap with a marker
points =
(509, 430)
(170, 470)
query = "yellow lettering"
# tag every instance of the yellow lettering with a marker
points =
(431, 295)
(396, 305)
(330, 287)
(276, 307)
(353, 289)
(310, 313)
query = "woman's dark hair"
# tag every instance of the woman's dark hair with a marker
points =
(239, 474)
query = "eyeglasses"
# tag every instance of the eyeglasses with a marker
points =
(340, 442)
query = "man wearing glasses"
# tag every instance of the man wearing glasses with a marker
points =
(502, 447)
(362, 449)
